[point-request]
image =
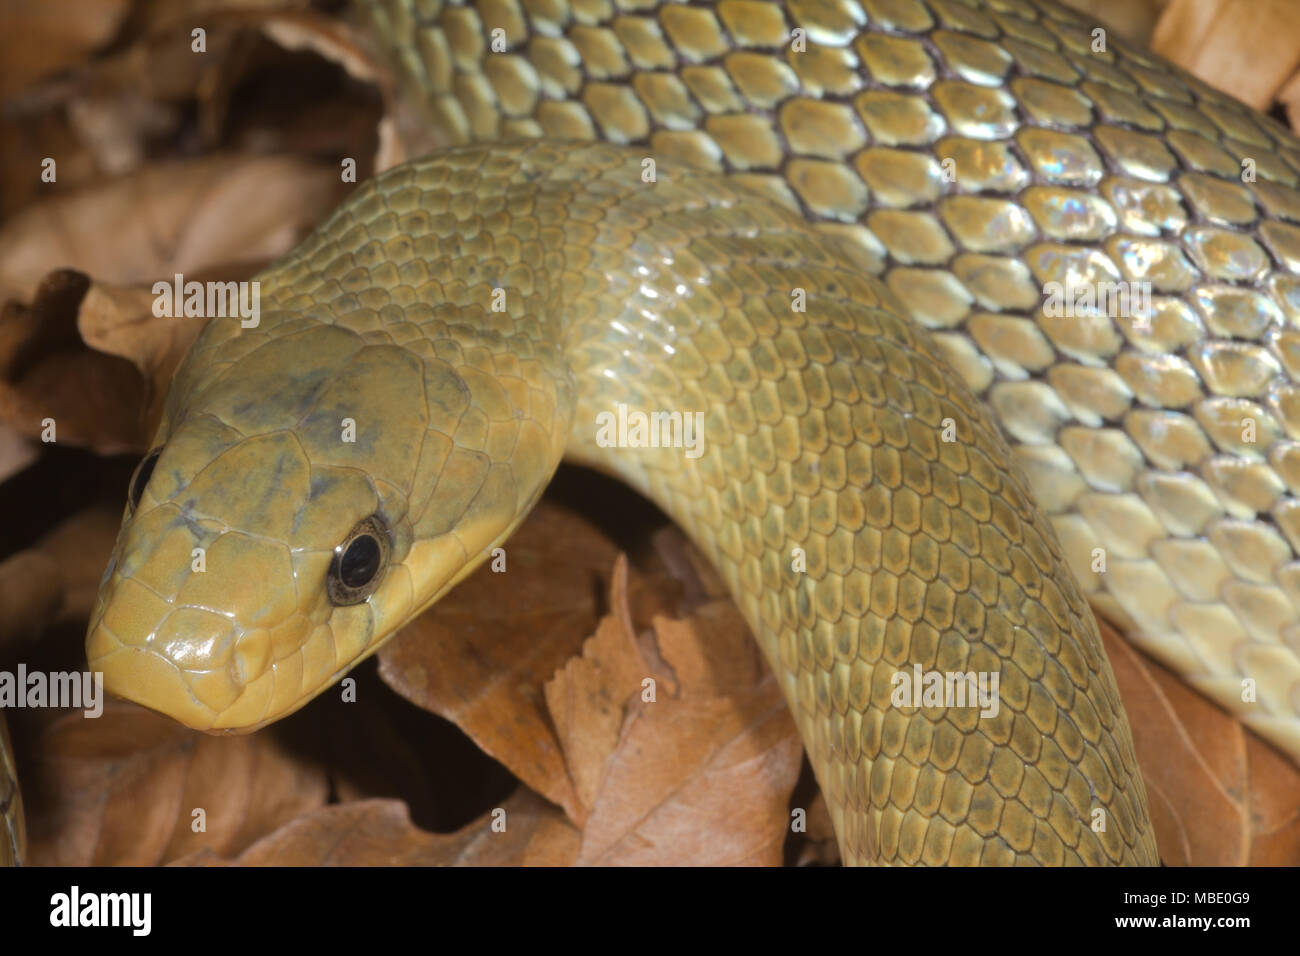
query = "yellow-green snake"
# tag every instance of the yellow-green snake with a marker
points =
(13, 832)
(831, 227)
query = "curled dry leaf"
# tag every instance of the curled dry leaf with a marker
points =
(1134, 20)
(1219, 796)
(588, 697)
(1248, 48)
(699, 776)
(124, 788)
(695, 767)
(482, 655)
(43, 38)
(120, 321)
(220, 214)
(380, 833)
(313, 124)
(53, 387)
(79, 548)
(30, 595)
(16, 452)
(332, 39)
(56, 580)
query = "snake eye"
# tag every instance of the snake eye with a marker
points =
(140, 480)
(359, 563)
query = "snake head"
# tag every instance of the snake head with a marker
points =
(246, 579)
(301, 503)
(297, 509)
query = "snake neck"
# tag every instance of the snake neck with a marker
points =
(736, 367)
(729, 361)
(976, 154)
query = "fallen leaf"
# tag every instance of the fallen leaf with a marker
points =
(123, 789)
(16, 452)
(57, 579)
(1245, 47)
(1134, 20)
(79, 548)
(40, 39)
(218, 215)
(587, 698)
(30, 595)
(1218, 795)
(700, 778)
(481, 656)
(53, 387)
(380, 833)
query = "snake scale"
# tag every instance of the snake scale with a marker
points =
(829, 226)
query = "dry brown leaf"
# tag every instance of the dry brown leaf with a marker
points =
(47, 375)
(1219, 796)
(819, 847)
(220, 213)
(701, 778)
(696, 767)
(123, 788)
(1248, 48)
(702, 782)
(332, 39)
(150, 87)
(119, 321)
(588, 696)
(16, 452)
(380, 833)
(318, 124)
(43, 38)
(703, 774)
(481, 656)
(30, 595)
(1134, 20)
(79, 548)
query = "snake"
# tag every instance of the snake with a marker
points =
(13, 838)
(828, 231)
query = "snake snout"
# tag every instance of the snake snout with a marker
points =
(197, 666)
(244, 584)
(205, 623)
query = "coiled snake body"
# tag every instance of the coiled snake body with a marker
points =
(469, 315)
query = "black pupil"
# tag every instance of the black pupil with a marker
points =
(142, 479)
(360, 561)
